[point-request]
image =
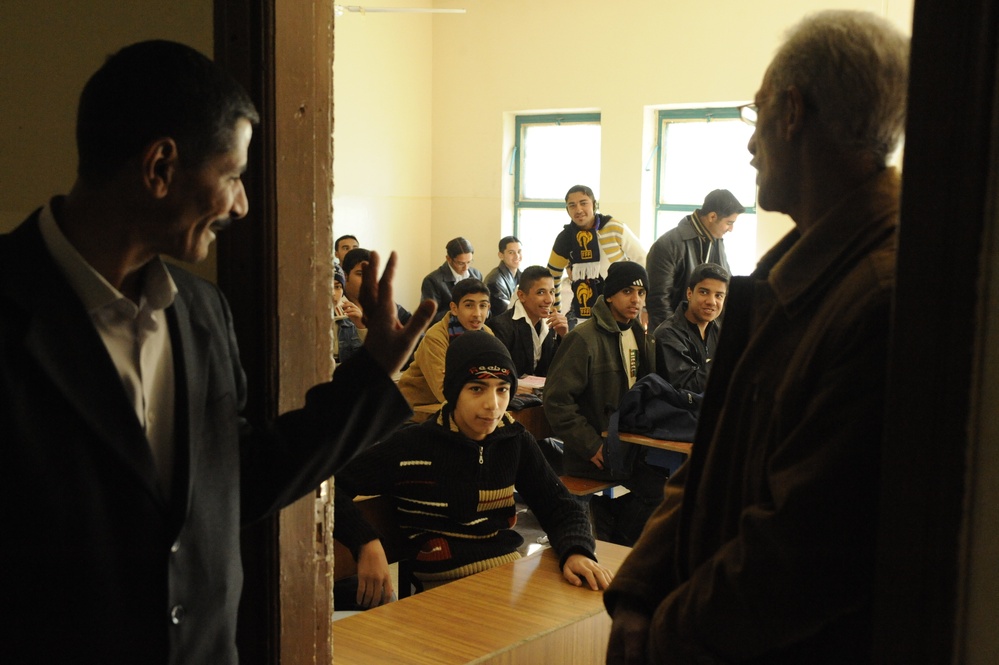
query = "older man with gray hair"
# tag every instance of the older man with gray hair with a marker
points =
(764, 548)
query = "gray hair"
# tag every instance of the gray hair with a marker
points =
(852, 68)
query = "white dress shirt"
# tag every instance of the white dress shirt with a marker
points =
(136, 337)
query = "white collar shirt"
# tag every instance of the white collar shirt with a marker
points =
(136, 336)
(520, 313)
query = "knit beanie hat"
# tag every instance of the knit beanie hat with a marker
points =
(623, 274)
(476, 355)
(338, 275)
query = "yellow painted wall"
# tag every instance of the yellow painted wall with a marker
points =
(506, 56)
(420, 100)
(382, 105)
(47, 52)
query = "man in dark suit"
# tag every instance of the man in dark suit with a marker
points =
(125, 466)
(456, 267)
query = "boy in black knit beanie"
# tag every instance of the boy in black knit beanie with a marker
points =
(451, 480)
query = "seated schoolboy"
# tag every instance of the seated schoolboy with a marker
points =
(532, 328)
(686, 341)
(595, 365)
(348, 325)
(452, 480)
(353, 264)
(503, 279)
(422, 383)
(457, 266)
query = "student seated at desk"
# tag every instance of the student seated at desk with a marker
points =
(423, 381)
(595, 365)
(686, 341)
(457, 266)
(532, 328)
(348, 322)
(353, 264)
(452, 480)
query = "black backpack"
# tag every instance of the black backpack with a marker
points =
(656, 409)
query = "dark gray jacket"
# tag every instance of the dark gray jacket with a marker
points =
(437, 287)
(671, 260)
(502, 287)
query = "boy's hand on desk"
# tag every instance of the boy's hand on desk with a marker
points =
(374, 581)
(579, 569)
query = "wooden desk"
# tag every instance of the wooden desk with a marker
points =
(642, 440)
(534, 421)
(521, 612)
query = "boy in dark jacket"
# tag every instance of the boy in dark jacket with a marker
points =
(532, 328)
(452, 481)
(595, 365)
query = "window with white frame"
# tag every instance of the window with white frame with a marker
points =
(700, 150)
(552, 153)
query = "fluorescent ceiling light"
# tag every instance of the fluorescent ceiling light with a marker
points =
(340, 10)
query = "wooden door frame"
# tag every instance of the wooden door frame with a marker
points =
(951, 139)
(278, 279)
(945, 206)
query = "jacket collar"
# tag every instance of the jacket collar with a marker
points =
(802, 267)
(82, 369)
(699, 228)
(603, 318)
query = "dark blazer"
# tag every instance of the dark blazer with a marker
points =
(502, 288)
(97, 564)
(517, 338)
(438, 284)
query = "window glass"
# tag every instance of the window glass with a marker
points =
(537, 228)
(553, 152)
(556, 157)
(701, 150)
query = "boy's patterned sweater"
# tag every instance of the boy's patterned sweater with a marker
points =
(453, 497)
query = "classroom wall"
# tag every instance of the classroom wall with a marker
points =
(420, 100)
(506, 56)
(46, 56)
(382, 106)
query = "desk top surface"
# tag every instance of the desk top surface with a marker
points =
(473, 617)
(663, 444)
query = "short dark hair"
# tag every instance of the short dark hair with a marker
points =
(466, 287)
(458, 246)
(722, 202)
(336, 243)
(581, 189)
(506, 241)
(151, 90)
(708, 271)
(353, 257)
(530, 275)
